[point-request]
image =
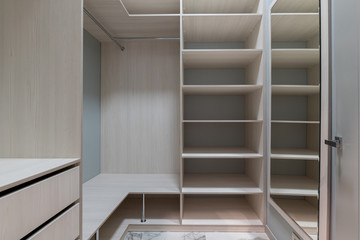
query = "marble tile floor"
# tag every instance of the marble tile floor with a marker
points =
(194, 236)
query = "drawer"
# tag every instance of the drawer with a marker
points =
(26, 209)
(66, 226)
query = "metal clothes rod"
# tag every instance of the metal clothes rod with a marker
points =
(161, 38)
(103, 29)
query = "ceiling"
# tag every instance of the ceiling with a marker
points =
(158, 19)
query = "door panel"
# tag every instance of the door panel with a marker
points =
(345, 72)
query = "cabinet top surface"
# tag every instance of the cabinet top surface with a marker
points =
(15, 171)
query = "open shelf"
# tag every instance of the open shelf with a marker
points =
(295, 122)
(237, 58)
(219, 184)
(295, 89)
(156, 6)
(295, 154)
(295, 27)
(220, 89)
(160, 210)
(219, 152)
(293, 186)
(222, 121)
(212, 210)
(291, 6)
(220, 6)
(295, 58)
(302, 212)
(217, 28)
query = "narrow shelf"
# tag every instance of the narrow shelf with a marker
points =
(302, 212)
(219, 211)
(231, 58)
(223, 6)
(295, 89)
(299, 58)
(219, 184)
(15, 171)
(224, 152)
(293, 186)
(219, 89)
(291, 6)
(294, 27)
(295, 122)
(294, 153)
(218, 27)
(156, 6)
(222, 121)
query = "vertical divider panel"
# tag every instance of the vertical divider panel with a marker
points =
(181, 113)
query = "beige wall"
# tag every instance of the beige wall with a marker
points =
(40, 78)
(140, 107)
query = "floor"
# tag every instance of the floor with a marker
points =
(194, 236)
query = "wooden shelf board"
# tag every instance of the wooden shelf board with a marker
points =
(103, 194)
(219, 89)
(293, 186)
(295, 58)
(294, 27)
(222, 121)
(294, 153)
(218, 58)
(219, 28)
(223, 6)
(219, 184)
(15, 171)
(156, 6)
(295, 122)
(219, 211)
(301, 211)
(291, 6)
(219, 152)
(295, 89)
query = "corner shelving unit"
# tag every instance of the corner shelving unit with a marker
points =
(222, 113)
(295, 111)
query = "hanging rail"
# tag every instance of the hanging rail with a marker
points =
(103, 29)
(146, 38)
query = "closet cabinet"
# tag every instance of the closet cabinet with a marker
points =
(222, 113)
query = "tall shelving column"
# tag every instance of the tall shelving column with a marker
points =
(222, 113)
(295, 115)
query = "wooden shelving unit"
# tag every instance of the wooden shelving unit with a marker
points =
(222, 118)
(212, 210)
(225, 6)
(295, 125)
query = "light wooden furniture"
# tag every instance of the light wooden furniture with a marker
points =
(222, 113)
(36, 191)
(295, 114)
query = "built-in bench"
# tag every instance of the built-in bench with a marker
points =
(103, 195)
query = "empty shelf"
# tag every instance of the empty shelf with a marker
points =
(219, 58)
(295, 122)
(222, 121)
(223, 152)
(295, 58)
(218, 211)
(219, 28)
(222, 6)
(294, 153)
(294, 186)
(291, 6)
(219, 184)
(294, 27)
(295, 89)
(156, 6)
(219, 89)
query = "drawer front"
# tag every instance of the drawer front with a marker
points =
(26, 209)
(64, 227)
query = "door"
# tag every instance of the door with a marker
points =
(345, 115)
